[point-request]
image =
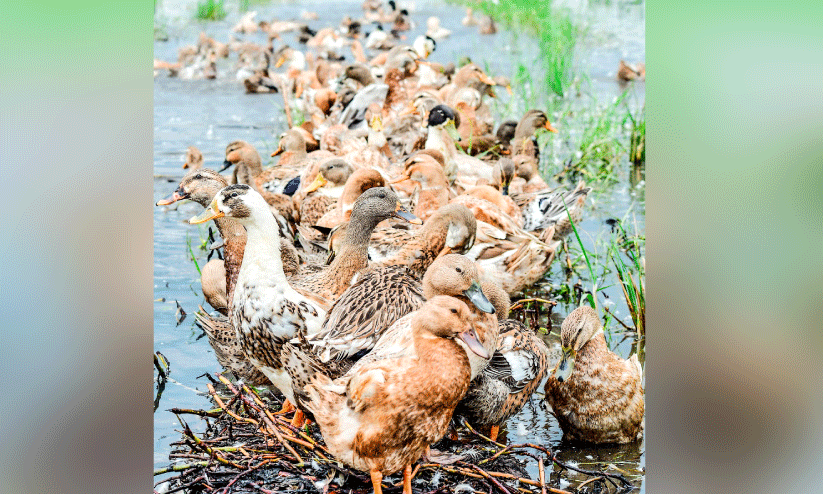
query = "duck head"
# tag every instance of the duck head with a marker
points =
(578, 328)
(450, 318)
(456, 275)
(199, 186)
(237, 201)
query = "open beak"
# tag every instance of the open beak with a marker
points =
(319, 181)
(209, 213)
(471, 339)
(226, 164)
(566, 366)
(278, 150)
(280, 61)
(450, 128)
(478, 298)
(401, 213)
(549, 127)
(177, 195)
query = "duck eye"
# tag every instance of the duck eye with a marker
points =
(198, 176)
(233, 194)
(459, 270)
(454, 311)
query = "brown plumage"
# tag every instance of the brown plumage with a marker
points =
(381, 416)
(194, 158)
(200, 186)
(227, 348)
(249, 170)
(359, 182)
(595, 395)
(382, 296)
(372, 207)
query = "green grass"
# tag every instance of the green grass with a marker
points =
(637, 145)
(556, 35)
(211, 10)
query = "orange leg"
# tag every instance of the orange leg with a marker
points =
(287, 407)
(494, 431)
(376, 478)
(407, 478)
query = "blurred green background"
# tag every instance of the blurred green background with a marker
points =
(734, 250)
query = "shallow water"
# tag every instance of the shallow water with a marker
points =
(211, 113)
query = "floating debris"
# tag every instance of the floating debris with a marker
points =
(180, 315)
(246, 446)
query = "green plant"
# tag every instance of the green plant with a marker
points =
(634, 292)
(211, 10)
(637, 145)
(555, 31)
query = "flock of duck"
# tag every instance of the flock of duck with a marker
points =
(366, 274)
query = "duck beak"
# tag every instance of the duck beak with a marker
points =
(280, 61)
(509, 89)
(486, 79)
(549, 127)
(478, 298)
(402, 178)
(450, 128)
(177, 195)
(408, 110)
(226, 164)
(209, 213)
(278, 150)
(318, 182)
(566, 366)
(446, 251)
(185, 165)
(505, 189)
(471, 340)
(400, 212)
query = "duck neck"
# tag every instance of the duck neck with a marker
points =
(262, 253)
(248, 169)
(592, 350)
(421, 251)
(234, 243)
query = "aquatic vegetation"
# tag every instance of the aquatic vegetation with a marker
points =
(555, 31)
(211, 10)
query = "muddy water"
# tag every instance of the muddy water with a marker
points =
(211, 113)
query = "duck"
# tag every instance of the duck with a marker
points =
(469, 20)
(200, 186)
(227, 348)
(431, 188)
(545, 209)
(267, 311)
(219, 277)
(194, 158)
(359, 181)
(321, 195)
(383, 414)
(522, 142)
(626, 72)
(485, 25)
(506, 253)
(372, 207)
(516, 369)
(434, 30)
(595, 395)
(248, 169)
(383, 295)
